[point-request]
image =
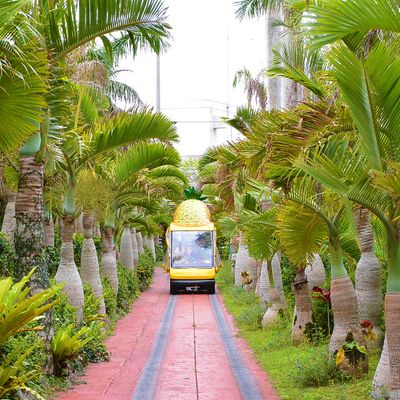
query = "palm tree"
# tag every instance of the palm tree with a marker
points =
(369, 85)
(65, 27)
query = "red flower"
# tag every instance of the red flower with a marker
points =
(321, 294)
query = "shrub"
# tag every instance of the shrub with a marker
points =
(160, 253)
(95, 349)
(251, 317)
(64, 313)
(91, 306)
(145, 269)
(317, 368)
(110, 299)
(6, 256)
(67, 344)
(52, 256)
(128, 289)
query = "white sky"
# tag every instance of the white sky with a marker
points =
(209, 45)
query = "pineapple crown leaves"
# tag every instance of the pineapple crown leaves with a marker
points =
(194, 194)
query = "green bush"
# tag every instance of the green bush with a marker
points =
(64, 313)
(6, 256)
(110, 299)
(128, 289)
(160, 253)
(251, 317)
(91, 306)
(52, 256)
(317, 368)
(95, 349)
(145, 269)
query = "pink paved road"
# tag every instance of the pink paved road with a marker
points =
(194, 366)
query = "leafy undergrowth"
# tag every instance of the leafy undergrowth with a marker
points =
(303, 372)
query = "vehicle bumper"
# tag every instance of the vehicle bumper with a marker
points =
(193, 285)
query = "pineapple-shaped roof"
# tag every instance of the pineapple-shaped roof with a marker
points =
(192, 213)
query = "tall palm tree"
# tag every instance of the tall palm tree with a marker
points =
(66, 27)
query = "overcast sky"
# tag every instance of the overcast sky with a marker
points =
(209, 45)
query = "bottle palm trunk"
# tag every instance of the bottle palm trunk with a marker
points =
(67, 272)
(368, 280)
(315, 272)
(303, 307)
(125, 253)
(345, 313)
(140, 242)
(135, 251)
(241, 261)
(152, 248)
(49, 232)
(381, 382)
(109, 258)
(9, 223)
(29, 215)
(90, 270)
(79, 224)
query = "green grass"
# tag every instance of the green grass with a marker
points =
(285, 364)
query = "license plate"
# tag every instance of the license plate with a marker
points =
(192, 288)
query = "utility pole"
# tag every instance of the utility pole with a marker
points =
(158, 85)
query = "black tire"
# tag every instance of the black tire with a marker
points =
(172, 288)
(211, 288)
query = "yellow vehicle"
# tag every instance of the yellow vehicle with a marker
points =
(192, 256)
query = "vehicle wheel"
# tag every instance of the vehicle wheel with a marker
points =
(211, 288)
(172, 288)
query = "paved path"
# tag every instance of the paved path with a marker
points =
(175, 347)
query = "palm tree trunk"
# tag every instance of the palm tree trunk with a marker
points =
(264, 283)
(381, 382)
(274, 304)
(152, 248)
(140, 242)
(277, 274)
(29, 215)
(303, 308)
(9, 223)
(67, 271)
(258, 274)
(109, 258)
(274, 84)
(135, 250)
(316, 273)
(90, 271)
(392, 317)
(49, 232)
(252, 271)
(79, 224)
(368, 280)
(345, 313)
(126, 254)
(242, 257)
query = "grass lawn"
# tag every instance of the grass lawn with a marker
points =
(296, 372)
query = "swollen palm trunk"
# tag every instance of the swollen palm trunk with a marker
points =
(125, 253)
(381, 382)
(90, 271)
(9, 224)
(67, 272)
(29, 215)
(303, 307)
(252, 271)
(109, 259)
(242, 257)
(135, 250)
(79, 224)
(263, 285)
(368, 280)
(152, 248)
(49, 232)
(140, 242)
(277, 273)
(345, 313)
(316, 273)
(392, 318)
